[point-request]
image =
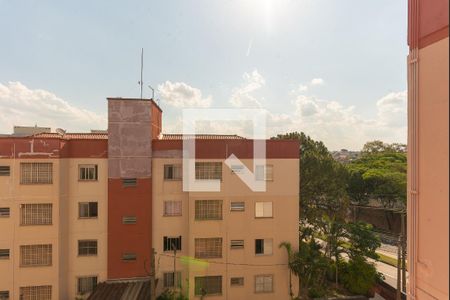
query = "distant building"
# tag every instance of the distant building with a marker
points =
(345, 156)
(77, 209)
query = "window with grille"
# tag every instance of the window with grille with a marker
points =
(36, 255)
(36, 214)
(264, 172)
(237, 244)
(173, 172)
(237, 206)
(172, 208)
(264, 283)
(4, 212)
(4, 295)
(237, 281)
(42, 292)
(88, 172)
(263, 210)
(208, 285)
(5, 171)
(86, 284)
(36, 173)
(129, 220)
(208, 248)
(263, 246)
(170, 242)
(208, 170)
(87, 247)
(208, 209)
(169, 280)
(4, 253)
(88, 210)
(129, 256)
(126, 182)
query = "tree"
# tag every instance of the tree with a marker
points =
(288, 247)
(362, 240)
(359, 276)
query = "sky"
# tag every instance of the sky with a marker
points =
(335, 70)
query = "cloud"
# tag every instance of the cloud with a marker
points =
(20, 105)
(180, 95)
(317, 81)
(242, 95)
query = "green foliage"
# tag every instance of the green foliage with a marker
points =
(171, 295)
(379, 174)
(358, 276)
(362, 240)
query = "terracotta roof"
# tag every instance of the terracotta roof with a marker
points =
(137, 289)
(179, 136)
(73, 136)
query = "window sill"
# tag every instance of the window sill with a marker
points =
(87, 255)
(34, 266)
(87, 180)
(28, 225)
(87, 218)
(172, 215)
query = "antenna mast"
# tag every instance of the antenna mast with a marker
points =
(142, 69)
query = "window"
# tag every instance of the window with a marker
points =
(129, 182)
(129, 256)
(42, 292)
(172, 208)
(4, 212)
(86, 284)
(88, 210)
(172, 172)
(264, 172)
(208, 248)
(36, 255)
(88, 172)
(5, 171)
(36, 173)
(237, 244)
(87, 247)
(237, 281)
(4, 295)
(4, 253)
(36, 214)
(208, 285)
(236, 169)
(264, 284)
(169, 281)
(237, 206)
(263, 246)
(208, 209)
(263, 210)
(208, 170)
(129, 220)
(171, 242)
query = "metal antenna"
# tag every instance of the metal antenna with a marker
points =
(141, 82)
(153, 92)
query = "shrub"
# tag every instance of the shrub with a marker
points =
(359, 276)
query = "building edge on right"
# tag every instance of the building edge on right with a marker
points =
(428, 149)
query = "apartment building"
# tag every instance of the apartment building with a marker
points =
(428, 149)
(78, 209)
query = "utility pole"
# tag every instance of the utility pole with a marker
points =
(152, 276)
(174, 248)
(403, 216)
(399, 246)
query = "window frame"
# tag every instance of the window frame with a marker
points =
(88, 248)
(80, 204)
(34, 214)
(5, 212)
(5, 254)
(240, 279)
(176, 172)
(94, 285)
(265, 246)
(204, 251)
(237, 244)
(33, 289)
(238, 209)
(5, 170)
(264, 208)
(267, 172)
(205, 278)
(44, 251)
(172, 279)
(264, 276)
(87, 166)
(167, 244)
(208, 170)
(36, 173)
(206, 213)
(165, 211)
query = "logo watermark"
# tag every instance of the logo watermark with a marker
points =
(253, 179)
